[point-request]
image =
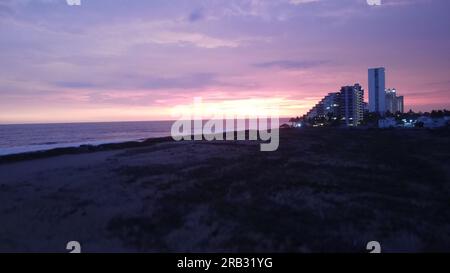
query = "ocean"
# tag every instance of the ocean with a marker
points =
(23, 138)
(36, 137)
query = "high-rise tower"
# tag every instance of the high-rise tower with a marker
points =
(377, 95)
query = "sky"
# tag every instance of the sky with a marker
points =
(119, 60)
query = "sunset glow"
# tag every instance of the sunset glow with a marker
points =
(110, 61)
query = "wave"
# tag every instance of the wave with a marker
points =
(46, 147)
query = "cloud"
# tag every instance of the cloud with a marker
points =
(196, 80)
(163, 32)
(300, 2)
(290, 65)
(196, 15)
(5, 9)
(75, 85)
(115, 51)
(192, 38)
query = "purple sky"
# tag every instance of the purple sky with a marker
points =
(136, 59)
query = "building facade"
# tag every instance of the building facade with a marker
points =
(394, 103)
(346, 105)
(401, 104)
(352, 105)
(377, 86)
(328, 105)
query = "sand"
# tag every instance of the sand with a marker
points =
(310, 196)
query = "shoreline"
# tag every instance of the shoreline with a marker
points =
(6, 151)
(89, 148)
(109, 146)
(83, 148)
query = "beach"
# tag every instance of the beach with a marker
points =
(323, 190)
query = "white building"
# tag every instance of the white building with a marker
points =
(352, 104)
(394, 103)
(377, 87)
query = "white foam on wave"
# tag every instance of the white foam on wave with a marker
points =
(46, 147)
